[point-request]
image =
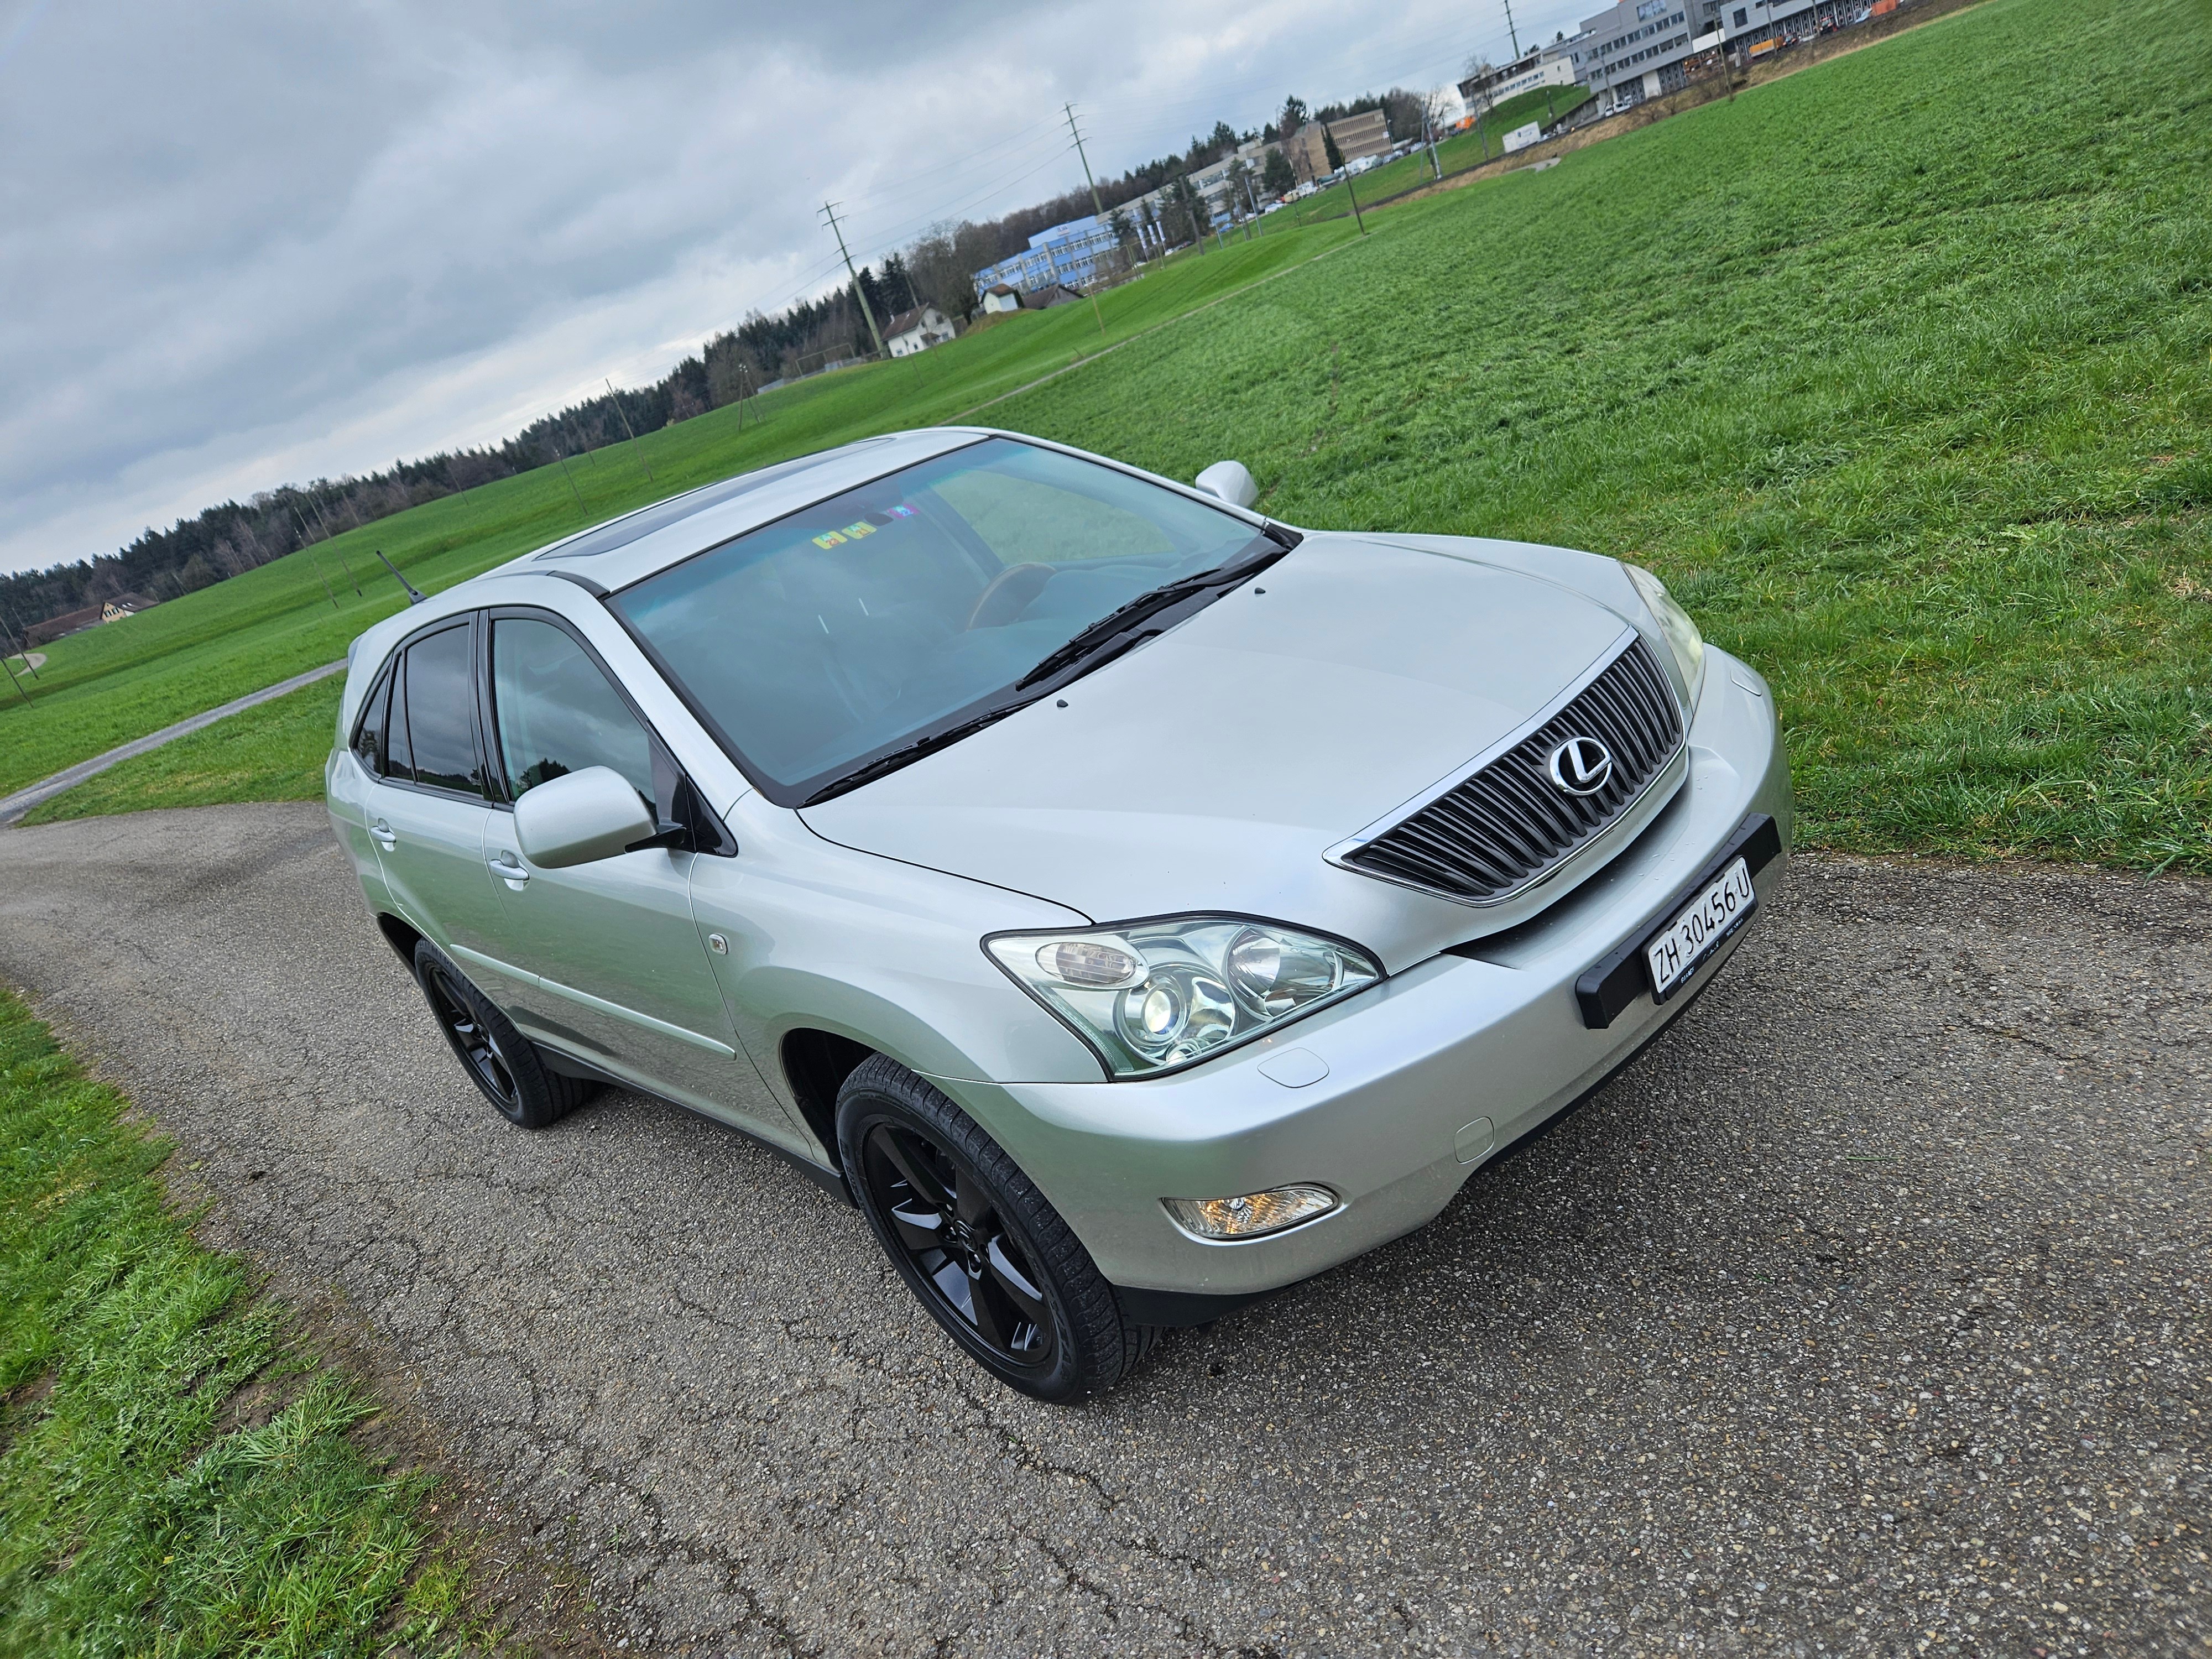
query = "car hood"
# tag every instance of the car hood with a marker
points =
(1211, 768)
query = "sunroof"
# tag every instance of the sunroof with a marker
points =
(635, 527)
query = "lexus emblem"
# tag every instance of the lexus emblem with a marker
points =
(1580, 766)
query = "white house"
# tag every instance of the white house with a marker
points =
(917, 331)
(1000, 297)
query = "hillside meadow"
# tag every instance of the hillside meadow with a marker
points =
(1899, 369)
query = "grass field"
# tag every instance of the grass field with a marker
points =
(176, 1476)
(1897, 369)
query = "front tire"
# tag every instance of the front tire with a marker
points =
(976, 1240)
(500, 1060)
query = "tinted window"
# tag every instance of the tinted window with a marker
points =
(440, 703)
(843, 630)
(556, 712)
(369, 737)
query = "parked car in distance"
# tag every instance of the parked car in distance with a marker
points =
(1130, 903)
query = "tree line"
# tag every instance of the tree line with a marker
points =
(937, 268)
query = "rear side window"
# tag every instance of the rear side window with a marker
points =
(440, 703)
(369, 736)
(556, 712)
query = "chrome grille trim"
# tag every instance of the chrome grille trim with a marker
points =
(1498, 826)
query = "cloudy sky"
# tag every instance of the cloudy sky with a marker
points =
(244, 242)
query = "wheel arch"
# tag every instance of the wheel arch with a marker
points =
(815, 1063)
(399, 936)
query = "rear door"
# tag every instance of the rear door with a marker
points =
(620, 974)
(426, 807)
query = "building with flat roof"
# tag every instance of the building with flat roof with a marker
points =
(1547, 66)
(1637, 49)
(1357, 137)
(1063, 253)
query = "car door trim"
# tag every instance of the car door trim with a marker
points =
(600, 1004)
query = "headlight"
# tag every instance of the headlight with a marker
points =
(1682, 633)
(1150, 996)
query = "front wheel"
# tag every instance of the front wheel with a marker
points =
(977, 1243)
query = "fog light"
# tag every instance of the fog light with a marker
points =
(1252, 1214)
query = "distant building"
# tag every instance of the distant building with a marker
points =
(1547, 66)
(1639, 49)
(1357, 138)
(1065, 253)
(1045, 298)
(1001, 297)
(917, 331)
(1215, 183)
(76, 622)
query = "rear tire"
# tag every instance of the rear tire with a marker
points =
(976, 1242)
(499, 1059)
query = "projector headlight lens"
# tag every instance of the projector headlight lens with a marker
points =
(1676, 627)
(1150, 996)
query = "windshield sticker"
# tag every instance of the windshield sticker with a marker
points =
(860, 528)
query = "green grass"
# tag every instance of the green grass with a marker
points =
(273, 752)
(1896, 367)
(175, 1477)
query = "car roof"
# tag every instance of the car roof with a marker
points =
(626, 550)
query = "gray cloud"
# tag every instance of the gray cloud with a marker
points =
(244, 242)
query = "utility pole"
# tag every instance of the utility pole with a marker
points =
(1096, 207)
(16, 635)
(1354, 195)
(627, 427)
(1511, 30)
(17, 683)
(830, 209)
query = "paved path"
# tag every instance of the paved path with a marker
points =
(1870, 1303)
(15, 806)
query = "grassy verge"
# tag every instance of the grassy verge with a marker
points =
(175, 1477)
(273, 750)
(1897, 367)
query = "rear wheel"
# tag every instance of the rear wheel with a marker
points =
(977, 1243)
(499, 1059)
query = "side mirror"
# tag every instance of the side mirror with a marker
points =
(1231, 481)
(580, 817)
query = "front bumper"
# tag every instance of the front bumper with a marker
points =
(1429, 1074)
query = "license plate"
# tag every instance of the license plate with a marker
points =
(1697, 933)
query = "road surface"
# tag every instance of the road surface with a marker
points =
(1868, 1309)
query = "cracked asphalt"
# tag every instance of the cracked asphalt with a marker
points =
(1866, 1313)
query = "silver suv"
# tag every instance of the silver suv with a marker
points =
(1133, 904)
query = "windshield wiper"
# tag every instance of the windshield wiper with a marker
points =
(1123, 618)
(907, 754)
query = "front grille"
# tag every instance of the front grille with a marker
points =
(1498, 830)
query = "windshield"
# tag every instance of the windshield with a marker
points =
(913, 603)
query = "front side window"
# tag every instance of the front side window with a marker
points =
(556, 712)
(439, 695)
(907, 605)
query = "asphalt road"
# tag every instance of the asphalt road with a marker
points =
(1867, 1311)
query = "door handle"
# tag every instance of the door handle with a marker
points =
(504, 865)
(385, 838)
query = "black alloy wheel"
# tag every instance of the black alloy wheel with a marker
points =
(500, 1060)
(977, 1243)
(472, 1038)
(956, 1243)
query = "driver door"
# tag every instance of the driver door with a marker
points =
(622, 979)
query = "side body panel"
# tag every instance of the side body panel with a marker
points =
(825, 939)
(621, 977)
